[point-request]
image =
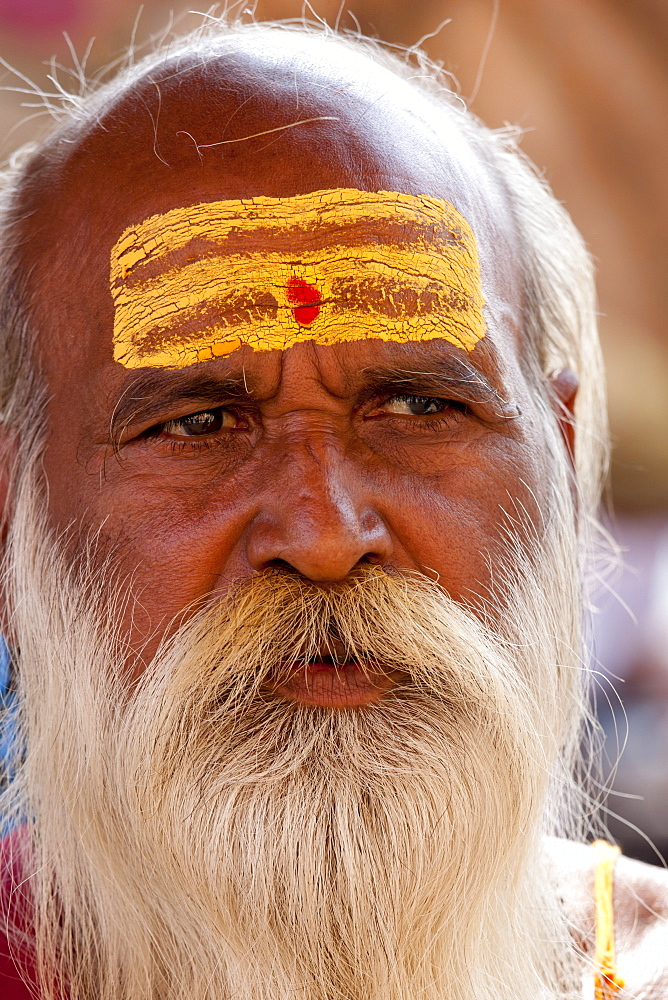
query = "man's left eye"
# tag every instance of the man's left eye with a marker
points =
(415, 406)
(199, 424)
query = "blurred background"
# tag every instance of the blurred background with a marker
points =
(587, 81)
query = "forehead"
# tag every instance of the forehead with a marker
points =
(333, 266)
(99, 192)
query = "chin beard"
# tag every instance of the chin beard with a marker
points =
(193, 836)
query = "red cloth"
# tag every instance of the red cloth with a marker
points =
(12, 984)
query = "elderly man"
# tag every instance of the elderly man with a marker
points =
(297, 498)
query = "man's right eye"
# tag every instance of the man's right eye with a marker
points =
(200, 424)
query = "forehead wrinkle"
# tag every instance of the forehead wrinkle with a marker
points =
(323, 360)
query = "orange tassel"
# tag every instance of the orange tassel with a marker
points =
(606, 981)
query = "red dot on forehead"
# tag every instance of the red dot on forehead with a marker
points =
(306, 299)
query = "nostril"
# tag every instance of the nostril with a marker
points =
(281, 564)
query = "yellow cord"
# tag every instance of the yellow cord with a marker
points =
(606, 981)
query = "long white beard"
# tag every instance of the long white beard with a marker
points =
(194, 837)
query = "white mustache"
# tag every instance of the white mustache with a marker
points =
(379, 620)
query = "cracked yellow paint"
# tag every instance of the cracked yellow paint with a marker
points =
(332, 266)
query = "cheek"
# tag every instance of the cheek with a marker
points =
(455, 526)
(172, 544)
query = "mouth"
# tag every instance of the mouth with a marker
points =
(331, 679)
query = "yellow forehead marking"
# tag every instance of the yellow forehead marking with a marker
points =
(330, 266)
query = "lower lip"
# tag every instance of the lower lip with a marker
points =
(330, 686)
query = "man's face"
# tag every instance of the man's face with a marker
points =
(410, 454)
(241, 379)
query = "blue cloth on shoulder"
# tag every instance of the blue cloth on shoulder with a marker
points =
(5, 667)
(7, 709)
(8, 733)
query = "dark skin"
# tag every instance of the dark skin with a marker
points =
(317, 458)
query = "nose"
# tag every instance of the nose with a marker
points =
(318, 518)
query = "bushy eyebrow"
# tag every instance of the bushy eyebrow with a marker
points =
(151, 393)
(444, 375)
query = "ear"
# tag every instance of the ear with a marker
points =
(564, 389)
